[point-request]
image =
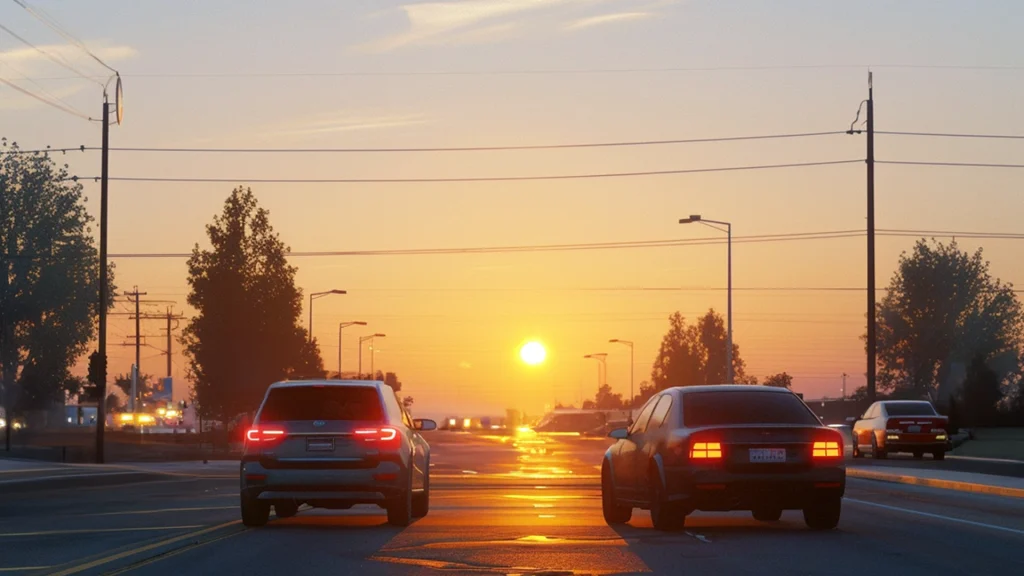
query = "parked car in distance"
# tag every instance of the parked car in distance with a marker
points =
(892, 426)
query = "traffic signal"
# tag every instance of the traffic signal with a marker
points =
(97, 375)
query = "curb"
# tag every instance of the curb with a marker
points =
(23, 485)
(936, 483)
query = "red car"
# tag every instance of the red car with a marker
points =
(894, 426)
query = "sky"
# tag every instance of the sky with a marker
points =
(376, 74)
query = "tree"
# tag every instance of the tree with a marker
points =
(113, 403)
(646, 391)
(981, 394)
(407, 403)
(605, 400)
(694, 355)
(942, 309)
(143, 387)
(49, 283)
(246, 333)
(780, 380)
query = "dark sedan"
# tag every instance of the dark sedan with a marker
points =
(724, 448)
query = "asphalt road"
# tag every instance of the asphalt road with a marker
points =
(500, 507)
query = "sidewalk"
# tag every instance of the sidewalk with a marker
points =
(947, 479)
(17, 476)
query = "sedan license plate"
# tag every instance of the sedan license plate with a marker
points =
(914, 429)
(767, 455)
(320, 444)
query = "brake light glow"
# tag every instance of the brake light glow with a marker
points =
(825, 450)
(706, 451)
(383, 435)
(263, 435)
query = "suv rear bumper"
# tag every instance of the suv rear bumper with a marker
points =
(721, 490)
(325, 486)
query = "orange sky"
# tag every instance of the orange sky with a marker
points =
(454, 322)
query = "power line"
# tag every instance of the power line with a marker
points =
(59, 60)
(589, 176)
(56, 105)
(953, 135)
(960, 164)
(464, 148)
(638, 244)
(562, 71)
(45, 18)
(45, 93)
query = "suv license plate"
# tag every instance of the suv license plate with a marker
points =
(320, 444)
(767, 455)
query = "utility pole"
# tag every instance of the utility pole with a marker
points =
(872, 333)
(844, 385)
(134, 296)
(170, 317)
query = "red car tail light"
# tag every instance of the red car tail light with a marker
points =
(384, 437)
(263, 435)
(705, 449)
(827, 444)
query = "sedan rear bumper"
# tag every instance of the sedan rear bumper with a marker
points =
(721, 490)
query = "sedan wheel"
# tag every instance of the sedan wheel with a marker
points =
(665, 515)
(614, 513)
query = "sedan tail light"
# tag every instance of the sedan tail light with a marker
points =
(827, 445)
(263, 435)
(384, 437)
(705, 448)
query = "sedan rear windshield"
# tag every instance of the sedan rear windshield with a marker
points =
(729, 408)
(322, 403)
(909, 409)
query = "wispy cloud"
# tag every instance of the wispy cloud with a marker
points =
(433, 22)
(29, 60)
(351, 122)
(604, 19)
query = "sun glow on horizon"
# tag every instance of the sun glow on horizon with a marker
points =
(533, 353)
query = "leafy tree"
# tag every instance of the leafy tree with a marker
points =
(246, 333)
(981, 394)
(113, 403)
(605, 400)
(49, 282)
(646, 391)
(144, 386)
(692, 355)
(780, 380)
(407, 403)
(942, 309)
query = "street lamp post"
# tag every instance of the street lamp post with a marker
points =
(340, 328)
(314, 296)
(602, 368)
(366, 339)
(630, 344)
(728, 230)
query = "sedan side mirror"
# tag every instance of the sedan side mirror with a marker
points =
(424, 425)
(619, 434)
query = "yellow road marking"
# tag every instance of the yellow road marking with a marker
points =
(114, 557)
(98, 530)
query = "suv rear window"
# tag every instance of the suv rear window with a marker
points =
(322, 403)
(909, 409)
(727, 408)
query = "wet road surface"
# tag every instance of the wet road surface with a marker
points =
(500, 505)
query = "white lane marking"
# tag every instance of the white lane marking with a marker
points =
(980, 459)
(700, 537)
(130, 512)
(24, 568)
(937, 516)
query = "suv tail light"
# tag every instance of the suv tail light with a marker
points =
(263, 435)
(827, 444)
(384, 437)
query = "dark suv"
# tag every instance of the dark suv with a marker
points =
(333, 444)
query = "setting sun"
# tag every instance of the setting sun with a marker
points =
(532, 353)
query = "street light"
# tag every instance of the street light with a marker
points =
(728, 230)
(340, 327)
(602, 368)
(366, 339)
(630, 344)
(314, 296)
